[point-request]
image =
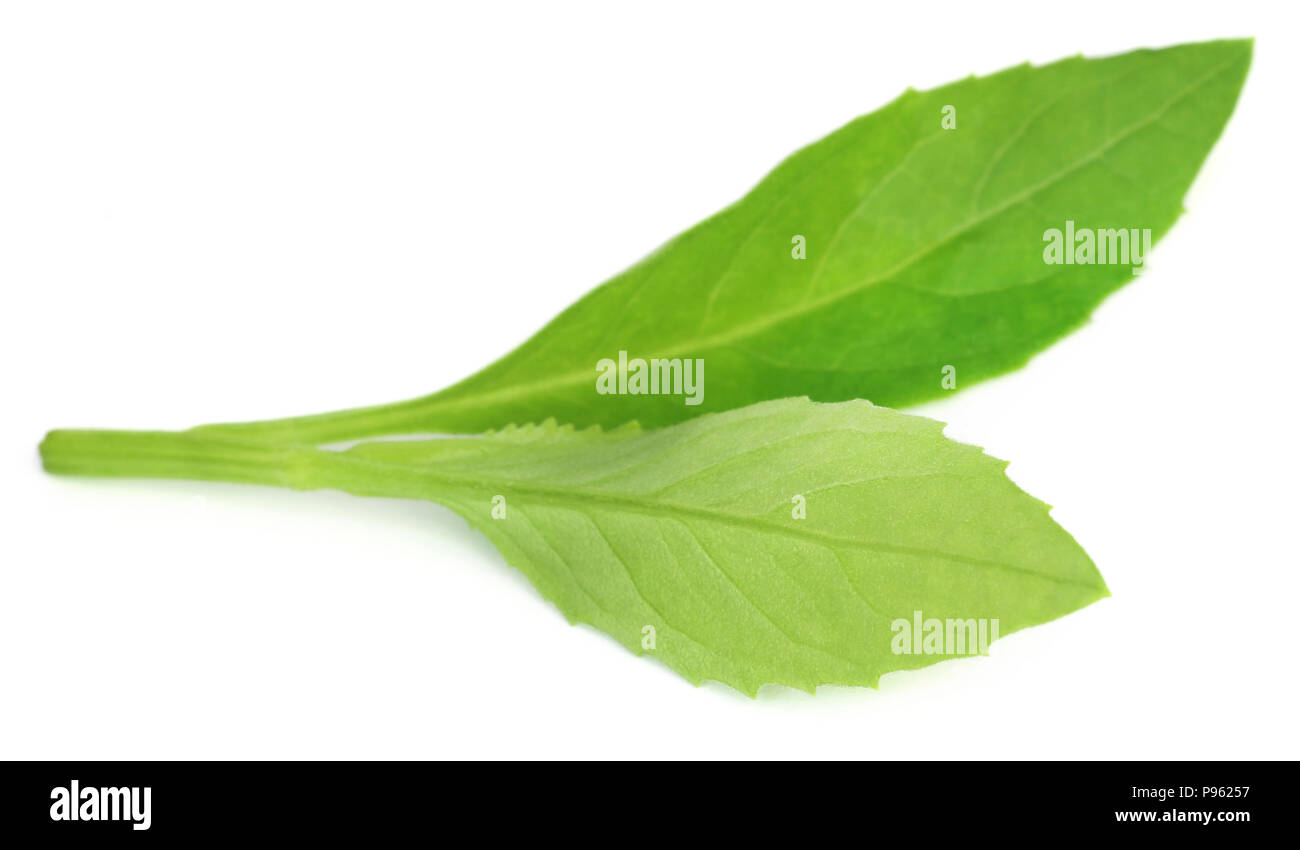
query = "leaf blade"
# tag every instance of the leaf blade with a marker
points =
(689, 530)
(924, 246)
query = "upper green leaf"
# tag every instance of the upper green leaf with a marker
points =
(924, 249)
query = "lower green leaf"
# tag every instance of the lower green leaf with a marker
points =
(788, 542)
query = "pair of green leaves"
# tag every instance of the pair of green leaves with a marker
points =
(790, 541)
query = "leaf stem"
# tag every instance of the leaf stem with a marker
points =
(198, 456)
(166, 454)
(403, 417)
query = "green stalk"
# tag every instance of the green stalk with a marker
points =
(458, 409)
(196, 456)
(420, 415)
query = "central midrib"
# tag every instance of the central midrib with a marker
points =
(577, 496)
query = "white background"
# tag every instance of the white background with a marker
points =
(242, 210)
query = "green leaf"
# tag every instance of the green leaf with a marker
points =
(924, 250)
(689, 534)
